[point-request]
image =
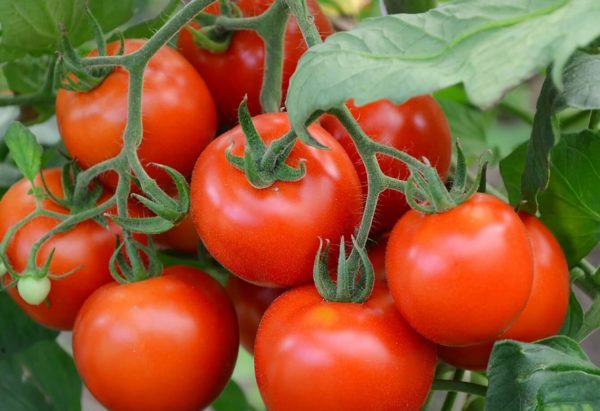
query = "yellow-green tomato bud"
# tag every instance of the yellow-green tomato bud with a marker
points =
(34, 290)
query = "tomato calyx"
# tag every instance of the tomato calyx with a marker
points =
(264, 165)
(73, 75)
(352, 285)
(426, 192)
(210, 36)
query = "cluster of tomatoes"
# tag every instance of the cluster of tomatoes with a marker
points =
(452, 283)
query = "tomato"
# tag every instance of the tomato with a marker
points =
(179, 116)
(546, 308)
(417, 127)
(182, 237)
(167, 343)
(270, 236)
(376, 253)
(239, 70)
(463, 276)
(87, 247)
(250, 302)
(312, 354)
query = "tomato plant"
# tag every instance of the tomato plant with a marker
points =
(312, 354)
(546, 307)
(417, 126)
(182, 323)
(286, 219)
(238, 71)
(461, 277)
(87, 247)
(179, 116)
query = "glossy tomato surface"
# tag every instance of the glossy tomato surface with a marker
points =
(87, 247)
(418, 127)
(250, 302)
(167, 343)
(270, 236)
(239, 70)
(178, 115)
(463, 276)
(546, 308)
(311, 354)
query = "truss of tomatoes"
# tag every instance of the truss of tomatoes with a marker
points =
(448, 284)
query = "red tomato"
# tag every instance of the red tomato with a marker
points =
(546, 308)
(88, 247)
(250, 303)
(312, 354)
(463, 276)
(179, 116)
(239, 70)
(417, 127)
(270, 236)
(182, 237)
(167, 343)
(376, 253)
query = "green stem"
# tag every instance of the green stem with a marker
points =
(451, 395)
(459, 386)
(305, 21)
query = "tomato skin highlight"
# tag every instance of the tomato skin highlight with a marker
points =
(178, 116)
(417, 126)
(546, 308)
(311, 354)
(167, 343)
(87, 246)
(270, 236)
(250, 302)
(463, 276)
(239, 70)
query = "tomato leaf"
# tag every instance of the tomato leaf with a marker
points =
(550, 374)
(40, 378)
(32, 26)
(582, 81)
(511, 170)
(408, 6)
(17, 330)
(24, 149)
(479, 44)
(591, 321)
(570, 206)
(232, 398)
(573, 319)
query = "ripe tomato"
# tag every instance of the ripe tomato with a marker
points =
(239, 70)
(179, 116)
(312, 354)
(417, 127)
(463, 276)
(88, 247)
(546, 308)
(167, 343)
(270, 236)
(250, 302)
(376, 253)
(182, 237)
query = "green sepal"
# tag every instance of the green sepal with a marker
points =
(148, 225)
(325, 285)
(205, 38)
(367, 275)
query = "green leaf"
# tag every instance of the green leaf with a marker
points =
(32, 26)
(573, 319)
(570, 206)
(400, 56)
(408, 6)
(17, 330)
(511, 170)
(591, 321)
(582, 81)
(149, 16)
(232, 398)
(543, 137)
(40, 378)
(553, 374)
(24, 149)
(26, 75)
